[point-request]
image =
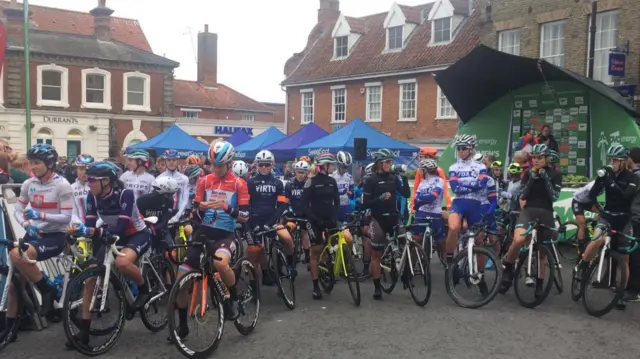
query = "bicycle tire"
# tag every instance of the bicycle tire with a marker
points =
(426, 274)
(617, 258)
(351, 276)
(576, 284)
(279, 261)
(8, 333)
(547, 288)
(393, 274)
(166, 268)
(557, 279)
(325, 276)
(491, 295)
(118, 328)
(173, 326)
(245, 264)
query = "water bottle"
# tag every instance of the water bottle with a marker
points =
(603, 171)
(399, 169)
(133, 287)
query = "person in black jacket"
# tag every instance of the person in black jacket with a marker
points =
(379, 195)
(633, 287)
(159, 203)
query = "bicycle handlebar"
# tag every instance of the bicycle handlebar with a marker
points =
(22, 248)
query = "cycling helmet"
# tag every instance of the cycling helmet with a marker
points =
(83, 160)
(305, 159)
(301, 166)
(428, 151)
(138, 155)
(325, 159)
(496, 164)
(192, 171)
(165, 185)
(171, 154)
(240, 168)
(221, 153)
(369, 168)
(465, 141)
(344, 158)
(43, 152)
(103, 169)
(193, 160)
(554, 156)
(514, 168)
(382, 154)
(428, 164)
(540, 150)
(617, 150)
(478, 157)
(265, 156)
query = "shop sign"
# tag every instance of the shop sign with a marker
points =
(230, 130)
(617, 64)
(60, 120)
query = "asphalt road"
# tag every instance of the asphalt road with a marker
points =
(392, 328)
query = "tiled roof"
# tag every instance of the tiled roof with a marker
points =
(356, 24)
(367, 56)
(192, 94)
(44, 18)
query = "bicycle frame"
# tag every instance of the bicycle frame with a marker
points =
(475, 276)
(337, 249)
(405, 257)
(606, 247)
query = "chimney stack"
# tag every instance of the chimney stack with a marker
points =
(207, 58)
(329, 11)
(15, 23)
(102, 21)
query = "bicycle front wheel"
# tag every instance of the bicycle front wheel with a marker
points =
(248, 295)
(284, 278)
(351, 274)
(160, 279)
(611, 281)
(421, 274)
(460, 276)
(542, 261)
(388, 270)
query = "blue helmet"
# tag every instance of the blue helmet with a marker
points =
(43, 152)
(103, 169)
(171, 154)
(84, 160)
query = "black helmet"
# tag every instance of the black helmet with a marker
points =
(43, 152)
(103, 169)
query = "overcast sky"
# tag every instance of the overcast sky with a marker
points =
(255, 37)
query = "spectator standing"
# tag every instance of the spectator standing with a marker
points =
(526, 142)
(545, 137)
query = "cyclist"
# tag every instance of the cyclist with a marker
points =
(321, 203)
(181, 197)
(192, 160)
(293, 191)
(430, 153)
(345, 185)
(555, 159)
(222, 199)
(137, 179)
(379, 195)
(161, 165)
(159, 203)
(268, 202)
(80, 188)
(240, 169)
(511, 196)
(620, 186)
(496, 174)
(51, 205)
(364, 223)
(541, 186)
(193, 173)
(581, 202)
(428, 202)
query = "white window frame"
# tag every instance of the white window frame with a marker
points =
(64, 86)
(335, 47)
(401, 27)
(249, 117)
(303, 93)
(401, 84)
(146, 106)
(507, 46)
(195, 111)
(334, 90)
(368, 86)
(603, 77)
(551, 58)
(48, 138)
(106, 97)
(433, 30)
(439, 108)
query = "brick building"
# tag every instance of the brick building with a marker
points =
(558, 31)
(381, 68)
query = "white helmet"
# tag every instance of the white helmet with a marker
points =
(428, 164)
(369, 168)
(240, 168)
(465, 141)
(221, 153)
(165, 185)
(265, 156)
(301, 166)
(344, 158)
(478, 157)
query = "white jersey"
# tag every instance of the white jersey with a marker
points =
(485, 192)
(139, 184)
(80, 192)
(52, 197)
(345, 182)
(582, 195)
(429, 186)
(181, 198)
(467, 173)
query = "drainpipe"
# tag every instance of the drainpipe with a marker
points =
(592, 39)
(286, 109)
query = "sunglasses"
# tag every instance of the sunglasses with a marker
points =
(462, 148)
(264, 165)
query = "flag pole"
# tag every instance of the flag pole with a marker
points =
(27, 73)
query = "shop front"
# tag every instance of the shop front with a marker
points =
(213, 130)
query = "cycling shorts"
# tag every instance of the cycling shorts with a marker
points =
(219, 242)
(378, 229)
(620, 224)
(48, 245)
(317, 231)
(139, 242)
(466, 208)
(437, 225)
(579, 208)
(531, 214)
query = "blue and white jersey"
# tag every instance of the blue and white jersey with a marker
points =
(467, 179)
(491, 188)
(345, 184)
(429, 195)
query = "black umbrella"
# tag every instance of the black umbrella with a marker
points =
(486, 74)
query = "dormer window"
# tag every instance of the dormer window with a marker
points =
(441, 30)
(394, 37)
(341, 47)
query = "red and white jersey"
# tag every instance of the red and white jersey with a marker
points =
(80, 192)
(53, 197)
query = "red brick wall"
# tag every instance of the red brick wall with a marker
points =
(426, 125)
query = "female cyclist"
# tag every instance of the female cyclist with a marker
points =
(345, 184)
(181, 198)
(240, 169)
(193, 173)
(137, 179)
(428, 203)
(159, 203)
(293, 191)
(80, 188)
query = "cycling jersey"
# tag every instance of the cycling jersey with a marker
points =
(489, 199)
(376, 186)
(428, 198)
(158, 205)
(321, 199)
(513, 195)
(293, 190)
(540, 191)
(345, 185)
(582, 194)
(619, 190)
(52, 197)
(267, 199)
(119, 212)
(140, 184)
(467, 179)
(191, 189)
(181, 198)
(229, 189)
(80, 191)
(418, 179)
